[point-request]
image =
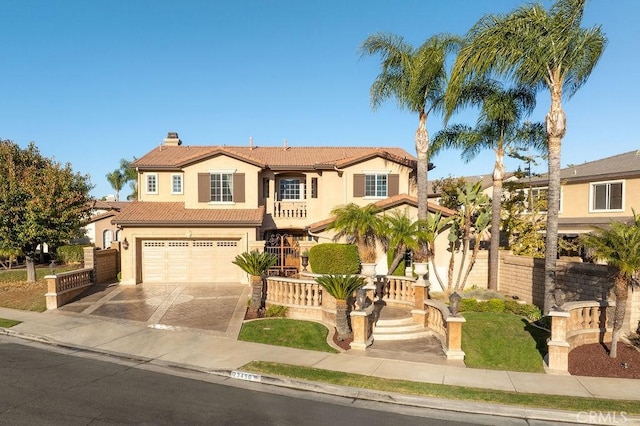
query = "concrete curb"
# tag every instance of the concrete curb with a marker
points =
(456, 406)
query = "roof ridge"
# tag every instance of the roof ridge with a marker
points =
(636, 151)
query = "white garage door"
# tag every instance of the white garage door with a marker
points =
(190, 261)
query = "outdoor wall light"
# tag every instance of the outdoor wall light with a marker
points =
(454, 303)
(125, 244)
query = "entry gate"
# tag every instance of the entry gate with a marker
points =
(288, 252)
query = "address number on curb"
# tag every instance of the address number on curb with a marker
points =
(245, 376)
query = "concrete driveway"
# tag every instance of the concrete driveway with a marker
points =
(217, 308)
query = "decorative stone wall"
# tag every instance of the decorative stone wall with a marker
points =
(104, 264)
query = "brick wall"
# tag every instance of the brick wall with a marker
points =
(104, 263)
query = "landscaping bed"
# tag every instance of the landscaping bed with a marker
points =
(593, 360)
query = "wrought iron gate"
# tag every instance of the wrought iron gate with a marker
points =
(288, 252)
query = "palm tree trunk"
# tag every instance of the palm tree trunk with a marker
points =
(400, 251)
(422, 151)
(474, 256)
(432, 258)
(342, 323)
(621, 291)
(496, 209)
(451, 265)
(556, 128)
(256, 293)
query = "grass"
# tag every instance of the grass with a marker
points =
(444, 391)
(17, 293)
(287, 332)
(502, 341)
(7, 323)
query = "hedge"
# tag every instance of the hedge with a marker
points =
(332, 258)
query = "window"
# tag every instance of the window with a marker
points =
(118, 234)
(265, 187)
(107, 238)
(291, 189)
(375, 185)
(314, 187)
(152, 183)
(222, 187)
(537, 200)
(176, 184)
(606, 196)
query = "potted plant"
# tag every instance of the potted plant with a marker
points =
(255, 264)
(341, 287)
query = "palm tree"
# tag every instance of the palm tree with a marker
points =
(130, 175)
(255, 264)
(539, 49)
(399, 235)
(117, 181)
(498, 128)
(341, 287)
(361, 226)
(417, 78)
(619, 245)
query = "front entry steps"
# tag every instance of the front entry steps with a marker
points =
(396, 324)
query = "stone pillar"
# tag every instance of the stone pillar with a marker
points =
(454, 337)
(361, 327)
(558, 357)
(90, 261)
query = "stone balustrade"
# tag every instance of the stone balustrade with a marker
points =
(446, 327)
(303, 297)
(289, 210)
(397, 289)
(63, 287)
(578, 323)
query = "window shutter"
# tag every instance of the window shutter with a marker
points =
(238, 187)
(358, 185)
(204, 187)
(394, 185)
(314, 187)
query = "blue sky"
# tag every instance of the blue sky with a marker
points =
(91, 82)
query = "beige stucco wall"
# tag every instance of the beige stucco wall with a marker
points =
(575, 200)
(131, 258)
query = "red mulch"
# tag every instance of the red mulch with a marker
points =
(344, 344)
(593, 360)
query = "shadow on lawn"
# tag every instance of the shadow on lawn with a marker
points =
(539, 335)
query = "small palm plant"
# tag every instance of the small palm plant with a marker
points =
(619, 245)
(255, 264)
(360, 226)
(341, 287)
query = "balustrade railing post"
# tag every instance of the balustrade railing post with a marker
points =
(558, 356)
(454, 337)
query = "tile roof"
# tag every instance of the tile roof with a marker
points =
(388, 203)
(109, 205)
(272, 157)
(621, 165)
(142, 213)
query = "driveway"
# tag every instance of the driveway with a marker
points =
(217, 308)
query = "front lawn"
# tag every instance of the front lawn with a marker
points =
(287, 332)
(7, 323)
(502, 341)
(17, 293)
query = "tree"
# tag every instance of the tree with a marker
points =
(361, 226)
(619, 245)
(117, 181)
(129, 174)
(398, 235)
(255, 264)
(341, 287)
(41, 201)
(416, 78)
(498, 128)
(448, 190)
(539, 49)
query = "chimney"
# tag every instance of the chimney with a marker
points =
(172, 139)
(251, 143)
(284, 145)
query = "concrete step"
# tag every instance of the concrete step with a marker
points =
(399, 329)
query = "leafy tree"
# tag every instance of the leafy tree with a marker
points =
(498, 128)
(341, 287)
(41, 201)
(256, 264)
(448, 190)
(361, 226)
(117, 181)
(538, 48)
(416, 78)
(619, 245)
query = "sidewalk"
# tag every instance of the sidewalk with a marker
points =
(205, 351)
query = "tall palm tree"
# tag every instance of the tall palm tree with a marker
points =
(117, 181)
(619, 245)
(360, 226)
(498, 128)
(399, 234)
(542, 49)
(416, 78)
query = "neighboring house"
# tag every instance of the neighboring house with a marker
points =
(100, 231)
(200, 206)
(486, 183)
(596, 193)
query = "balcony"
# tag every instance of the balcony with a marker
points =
(289, 210)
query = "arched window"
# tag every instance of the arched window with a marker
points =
(107, 238)
(118, 234)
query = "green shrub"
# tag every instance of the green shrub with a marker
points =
(495, 305)
(512, 306)
(330, 258)
(276, 311)
(468, 305)
(531, 312)
(70, 254)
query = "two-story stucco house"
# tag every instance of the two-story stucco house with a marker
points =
(200, 206)
(596, 193)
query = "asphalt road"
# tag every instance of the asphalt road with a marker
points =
(45, 385)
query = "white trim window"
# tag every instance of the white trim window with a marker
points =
(221, 187)
(291, 189)
(107, 238)
(176, 184)
(152, 183)
(536, 200)
(376, 185)
(606, 196)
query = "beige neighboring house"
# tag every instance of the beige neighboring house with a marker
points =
(596, 193)
(100, 231)
(200, 206)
